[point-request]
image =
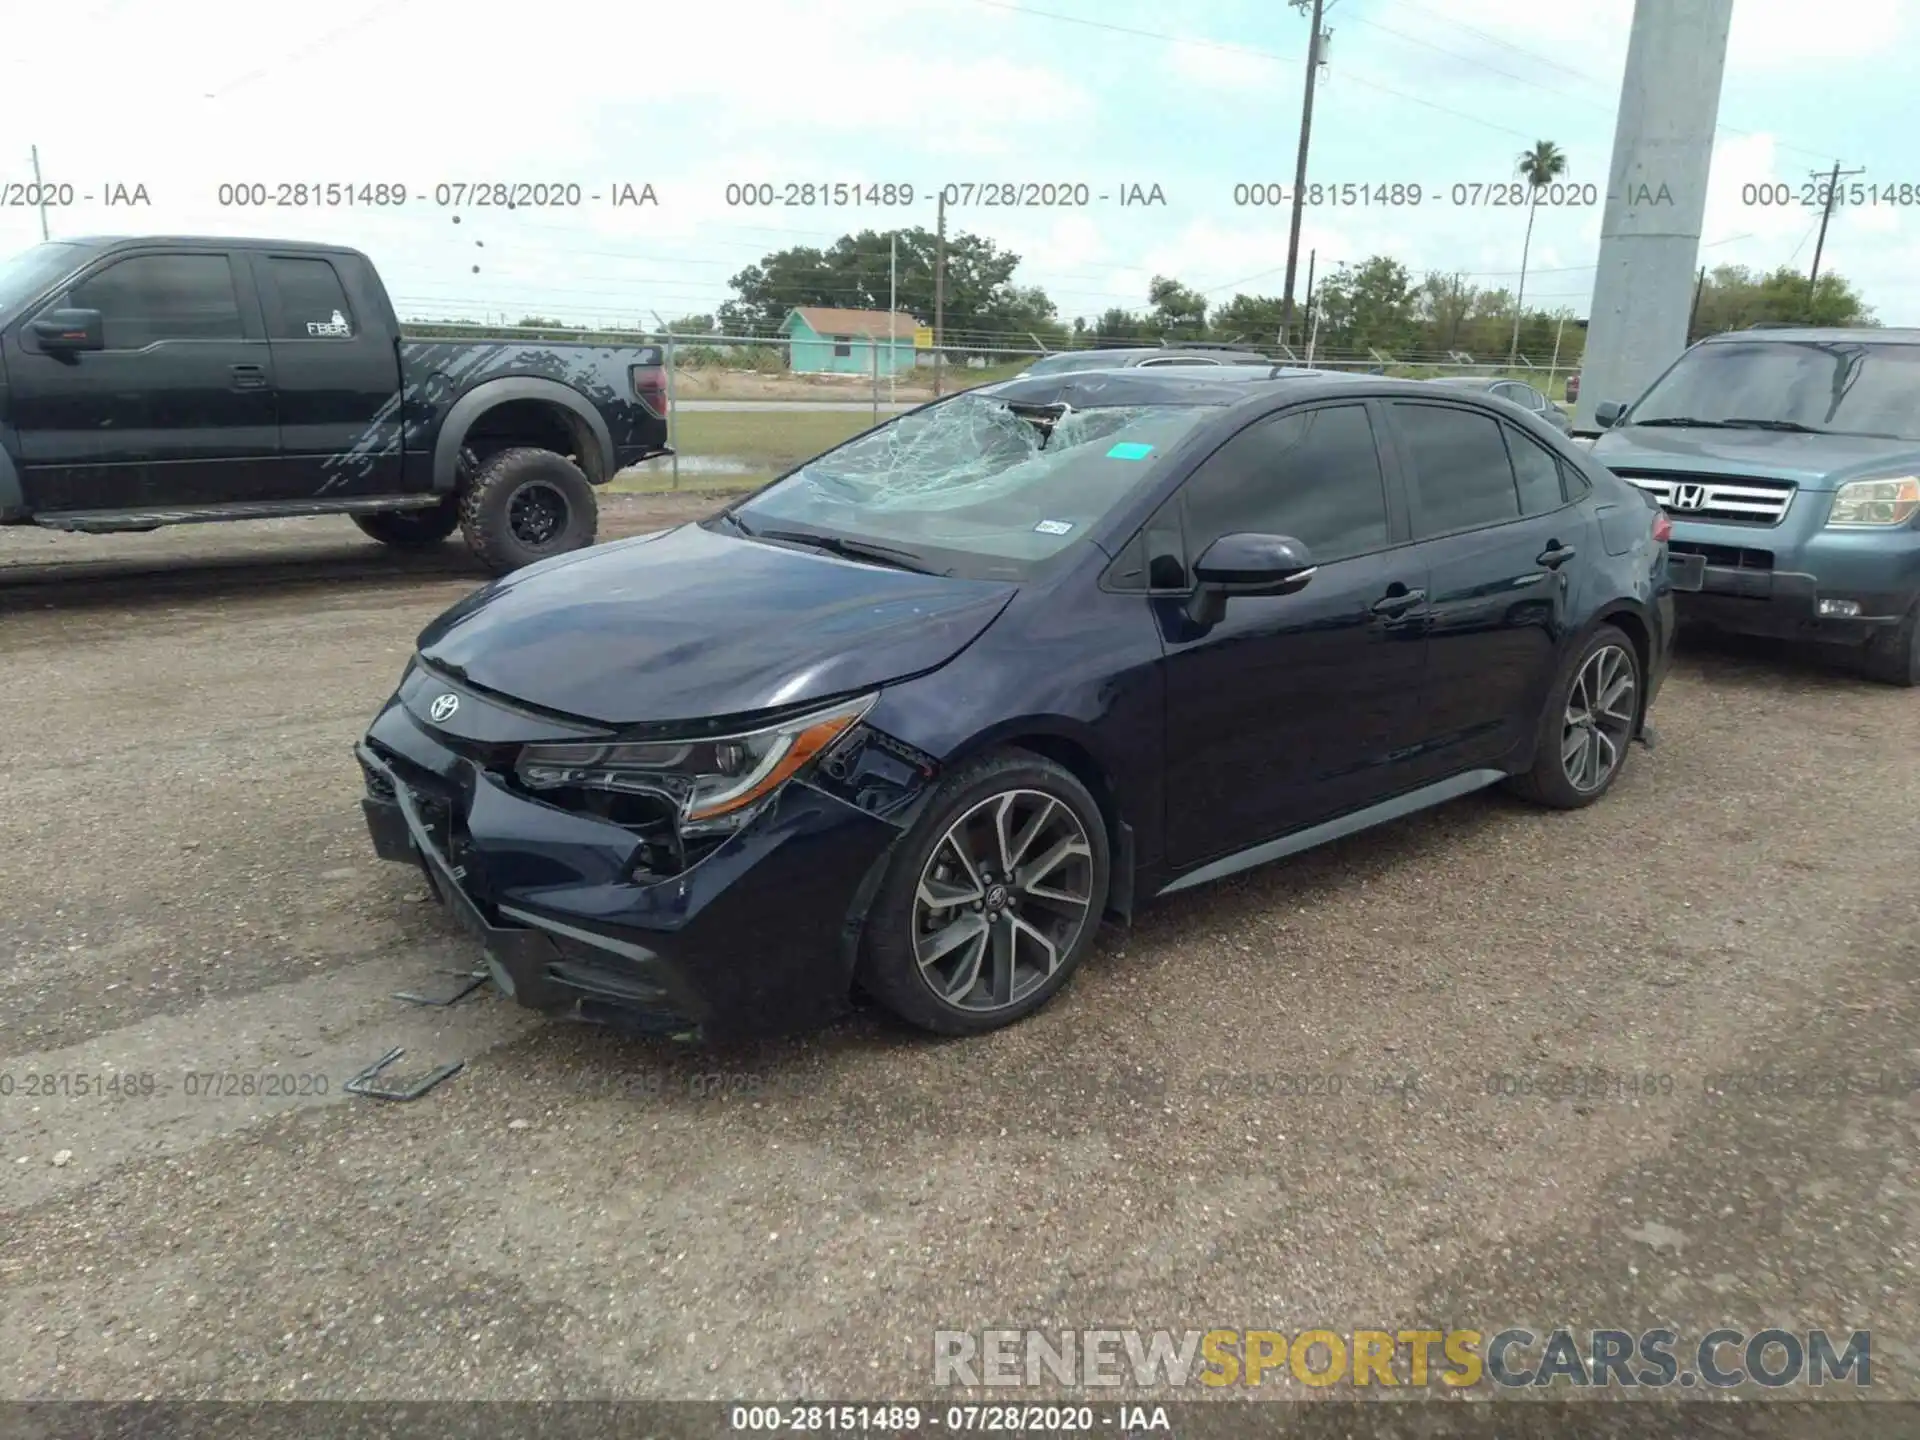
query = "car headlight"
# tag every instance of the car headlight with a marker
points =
(1876, 502)
(714, 784)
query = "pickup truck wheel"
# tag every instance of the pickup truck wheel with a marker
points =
(412, 529)
(1893, 655)
(524, 505)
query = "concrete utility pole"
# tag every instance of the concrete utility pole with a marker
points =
(1826, 214)
(939, 291)
(1656, 197)
(1315, 41)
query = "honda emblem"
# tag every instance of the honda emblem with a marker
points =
(1689, 497)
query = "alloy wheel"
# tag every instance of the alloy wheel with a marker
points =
(536, 513)
(1601, 709)
(1003, 898)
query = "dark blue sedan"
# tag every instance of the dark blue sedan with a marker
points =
(915, 718)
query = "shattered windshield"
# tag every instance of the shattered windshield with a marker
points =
(978, 476)
(1843, 387)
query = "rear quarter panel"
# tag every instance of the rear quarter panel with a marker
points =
(435, 374)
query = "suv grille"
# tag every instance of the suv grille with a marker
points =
(1729, 499)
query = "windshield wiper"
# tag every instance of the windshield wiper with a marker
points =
(1688, 422)
(736, 522)
(1790, 427)
(867, 550)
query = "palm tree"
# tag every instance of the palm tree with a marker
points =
(1539, 167)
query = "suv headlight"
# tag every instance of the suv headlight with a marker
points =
(1871, 503)
(715, 783)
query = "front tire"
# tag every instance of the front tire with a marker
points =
(1592, 715)
(992, 900)
(412, 529)
(1893, 656)
(524, 505)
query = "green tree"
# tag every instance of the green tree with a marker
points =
(1444, 305)
(1116, 326)
(1368, 306)
(1251, 319)
(1539, 167)
(1734, 297)
(691, 325)
(981, 301)
(1179, 311)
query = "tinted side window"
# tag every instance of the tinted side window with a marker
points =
(313, 302)
(145, 298)
(1535, 472)
(1461, 475)
(1311, 474)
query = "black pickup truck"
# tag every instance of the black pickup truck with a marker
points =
(168, 380)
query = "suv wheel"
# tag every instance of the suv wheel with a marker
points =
(524, 505)
(412, 529)
(1592, 715)
(992, 900)
(1892, 655)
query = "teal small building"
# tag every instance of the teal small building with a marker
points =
(827, 341)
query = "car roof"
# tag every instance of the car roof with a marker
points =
(1474, 382)
(233, 242)
(1821, 334)
(1216, 385)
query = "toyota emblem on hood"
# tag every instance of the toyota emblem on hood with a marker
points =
(443, 707)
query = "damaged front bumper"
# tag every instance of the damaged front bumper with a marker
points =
(758, 936)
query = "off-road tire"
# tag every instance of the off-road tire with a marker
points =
(487, 508)
(1547, 782)
(889, 970)
(1892, 654)
(412, 529)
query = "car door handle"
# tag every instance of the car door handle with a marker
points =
(1554, 556)
(1397, 602)
(249, 377)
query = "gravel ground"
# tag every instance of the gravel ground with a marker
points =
(189, 891)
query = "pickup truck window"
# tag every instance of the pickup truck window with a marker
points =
(313, 302)
(22, 275)
(146, 298)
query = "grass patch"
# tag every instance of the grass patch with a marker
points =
(762, 443)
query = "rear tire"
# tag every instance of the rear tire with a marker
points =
(992, 900)
(1592, 714)
(524, 505)
(1893, 656)
(412, 529)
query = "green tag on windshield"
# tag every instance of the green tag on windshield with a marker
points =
(1129, 450)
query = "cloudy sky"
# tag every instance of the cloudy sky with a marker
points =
(1194, 96)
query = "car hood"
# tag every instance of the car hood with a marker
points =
(1814, 462)
(688, 624)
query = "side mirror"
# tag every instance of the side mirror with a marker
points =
(1607, 412)
(62, 331)
(1250, 564)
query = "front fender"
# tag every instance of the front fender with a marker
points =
(468, 409)
(13, 497)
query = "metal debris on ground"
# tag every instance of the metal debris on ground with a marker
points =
(473, 980)
(364, 1083)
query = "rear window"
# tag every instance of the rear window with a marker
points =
(979, 479)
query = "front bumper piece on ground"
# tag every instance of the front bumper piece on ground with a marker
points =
(757, 937)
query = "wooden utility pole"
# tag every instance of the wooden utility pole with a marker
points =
(40, 192)
(1300, 170)
(1826, 214)
(939, 292)
(1693, 315)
